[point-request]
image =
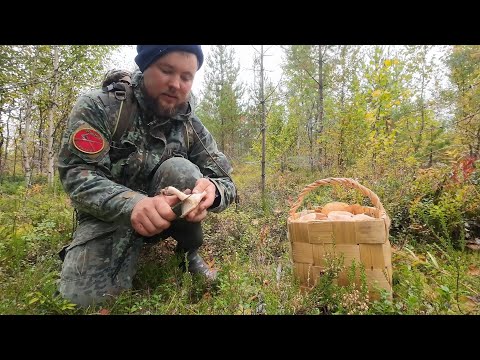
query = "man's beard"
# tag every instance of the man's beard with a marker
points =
(158, 110)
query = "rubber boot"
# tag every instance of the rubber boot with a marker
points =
(196, 265)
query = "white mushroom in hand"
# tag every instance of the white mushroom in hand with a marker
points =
(189, 202)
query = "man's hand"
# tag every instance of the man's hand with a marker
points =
(200, 212)
(152, 215)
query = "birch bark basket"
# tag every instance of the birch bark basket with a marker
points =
(365, 242)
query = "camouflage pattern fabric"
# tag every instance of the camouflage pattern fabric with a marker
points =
(106, 183)
(101, 261)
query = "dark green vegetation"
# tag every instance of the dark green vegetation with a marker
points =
(434, 272)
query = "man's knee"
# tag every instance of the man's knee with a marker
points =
(177, 172)
(85, 293)
(96, 271)
(85, 273)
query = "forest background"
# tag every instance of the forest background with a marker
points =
(404, 121)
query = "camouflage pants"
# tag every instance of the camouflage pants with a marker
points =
(102, 259)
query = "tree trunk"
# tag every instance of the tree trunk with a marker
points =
(26, 132)
(2, 140)
(264, 141)
(15, 158)
(41, 144)
(477, 147)
(341, 148)
(319, 126)
(5, 155)
(51, 126)
(422, 107)
(25, 140)
(222, 119)
(430, 157)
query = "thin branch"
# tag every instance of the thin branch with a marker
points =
(276, 87)
(468, 117)
(311, 76)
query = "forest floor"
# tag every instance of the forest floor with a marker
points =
(250, 247)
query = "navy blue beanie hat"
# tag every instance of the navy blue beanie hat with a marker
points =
(147, 54)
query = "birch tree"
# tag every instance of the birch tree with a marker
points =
(51, 123)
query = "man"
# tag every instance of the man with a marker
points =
(115, 186)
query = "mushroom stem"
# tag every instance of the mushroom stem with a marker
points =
(170, 190)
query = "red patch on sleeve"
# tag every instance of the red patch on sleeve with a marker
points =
(88, 141)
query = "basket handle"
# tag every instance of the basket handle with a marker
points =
(347, 182)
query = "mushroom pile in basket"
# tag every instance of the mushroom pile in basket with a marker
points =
(335, 211)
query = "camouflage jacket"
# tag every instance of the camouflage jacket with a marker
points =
(108, 181)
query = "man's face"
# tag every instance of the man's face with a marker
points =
(168, 81)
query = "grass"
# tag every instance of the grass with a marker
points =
(248, 245)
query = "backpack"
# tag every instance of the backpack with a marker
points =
(120, 101)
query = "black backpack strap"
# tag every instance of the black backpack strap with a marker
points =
(122, 93)
(119, 101)
(121, 105)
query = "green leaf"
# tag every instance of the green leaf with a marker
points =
(435, 263)
(34, 300)
(68, 306)
(445, 288)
